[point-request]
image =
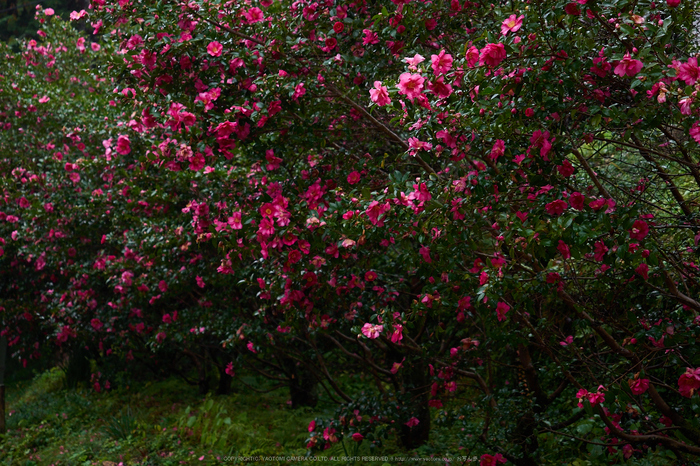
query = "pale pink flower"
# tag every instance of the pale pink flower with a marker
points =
(380, 94)
(372, 331)
(511, 24)
(414, 62)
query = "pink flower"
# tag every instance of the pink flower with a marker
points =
(414, 62)
(413, 422)
(556, 207)
(312, 426)
(511, 24)
(440, 88)
(380, 94)
(425, 253)
(472, 56)
(596, 398)
(123, 145)
(49, 12)
(234, 221)
(415, 145)
(299, 91)
(372, 331)
(410, 85)
(673, 3)
(254, 15)
(581, 394)
(375, 210)
(96, 324)
(639, 386)
(215, 48)
(229, 369)
(498, 149)
(397, 335)
(357, 437)
(639, 230)
(689, 72)
(441, 63)
(567, 341)
(370, 37)
(597, 204)
(689, 382)
(501, 310)
(695, 132)
(492, 55)
(628, 66)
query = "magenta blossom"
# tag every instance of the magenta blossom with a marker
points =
(492, 55)
(215, 49)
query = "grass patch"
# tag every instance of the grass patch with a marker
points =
(163, 423)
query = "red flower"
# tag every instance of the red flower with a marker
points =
(491, 460)
(638, 386)
(577, 200)
(563, 249)
(643, 271)
(639, 230)
(600, 250)
(689, 382)
(556, 207)
(572, 9)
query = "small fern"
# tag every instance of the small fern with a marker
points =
(122, 426)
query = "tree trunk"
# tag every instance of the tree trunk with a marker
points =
(417, 393)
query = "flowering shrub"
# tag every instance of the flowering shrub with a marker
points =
(294, 188)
